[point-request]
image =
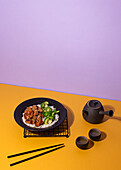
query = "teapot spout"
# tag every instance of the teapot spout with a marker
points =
(109, 113)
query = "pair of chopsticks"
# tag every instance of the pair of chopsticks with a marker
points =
(35, 150)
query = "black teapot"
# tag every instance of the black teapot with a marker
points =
(93, 112)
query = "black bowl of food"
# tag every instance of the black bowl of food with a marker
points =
(40, 114)
(82, 142)
(95, 134)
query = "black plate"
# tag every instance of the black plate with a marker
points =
(21, 107)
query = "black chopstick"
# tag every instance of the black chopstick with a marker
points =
(35, 150)
(32, 157)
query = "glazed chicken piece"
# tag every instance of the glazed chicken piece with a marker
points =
(35, 112)
(41, 122)
(37, 123)
(28, 110)
(25, 111)
(26, 116)
(28, 121)
(31, 115)
(41, 115)
(34, 117)
(34, 107)
(39, 118)
(33, 121)
(39, 109)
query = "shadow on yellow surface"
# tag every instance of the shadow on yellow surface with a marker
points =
(108, 107)
(103, 136)
(70, 115)
(116, 118)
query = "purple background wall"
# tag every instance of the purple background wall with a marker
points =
(69, 46)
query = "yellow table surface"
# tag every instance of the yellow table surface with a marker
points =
(104, 155)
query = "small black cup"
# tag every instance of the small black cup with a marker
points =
(95, 134)
(82, 142)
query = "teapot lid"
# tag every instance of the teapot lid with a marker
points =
(94, 104)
